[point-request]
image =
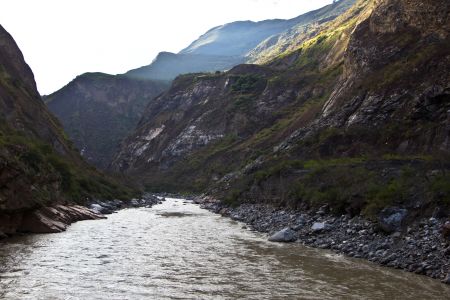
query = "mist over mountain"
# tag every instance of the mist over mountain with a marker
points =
(227, 45)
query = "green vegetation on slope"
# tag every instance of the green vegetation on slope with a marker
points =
(48, 176)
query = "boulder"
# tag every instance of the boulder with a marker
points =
(300, 222)
(285, 235)
(391, 219)
(319, 226)
(97, 208)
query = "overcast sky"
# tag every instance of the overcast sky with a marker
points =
(61, 39)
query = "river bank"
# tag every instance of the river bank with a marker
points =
(420, 248)
(57, 218)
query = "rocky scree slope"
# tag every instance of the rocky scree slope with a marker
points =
(38, 165)
(98, 111)
(356, 118)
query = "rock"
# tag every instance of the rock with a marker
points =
(3, 235)
(38, 222)
(319, 226)
(134, 203)
(391, 219)
(396, 235)
(97, 208)
(447, 279)
(284, 236)
(300, 222)
(55, 219)
(223, 211)
(323, 210)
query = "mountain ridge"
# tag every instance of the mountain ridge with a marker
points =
(291, 132)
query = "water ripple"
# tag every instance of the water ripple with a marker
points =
(178, 251)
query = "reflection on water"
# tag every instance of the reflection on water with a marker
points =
(178, 251)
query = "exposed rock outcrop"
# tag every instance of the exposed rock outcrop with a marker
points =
(55, 219)
(51, 219)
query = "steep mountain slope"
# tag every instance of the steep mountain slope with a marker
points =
(238, 103)
(99, 110)
(305, 28)
(223, 47)
(355, 118)
(38, 165)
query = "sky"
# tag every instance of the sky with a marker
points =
(61, 39)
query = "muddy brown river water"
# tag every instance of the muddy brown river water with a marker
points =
(176, 250)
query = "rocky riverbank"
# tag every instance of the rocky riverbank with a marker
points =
(109, 207)
(422, 247)
(58, 218)
(50, 219)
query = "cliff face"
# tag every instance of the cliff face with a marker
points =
(38, 165)
(98, 111)
(396, 74)
(368, 94)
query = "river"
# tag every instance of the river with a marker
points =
(176, 250)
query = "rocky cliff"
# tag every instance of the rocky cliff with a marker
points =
(355, 117)
(38, 164)
(98, 111)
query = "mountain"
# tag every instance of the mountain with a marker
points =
(304, 28)
(223, 47)
(355, 117)
(39, 165)
(167, 66)
(98, 111)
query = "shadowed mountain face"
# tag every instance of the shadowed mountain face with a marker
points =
(98, 111)
(38, 164)
(361, 105)
(223, 47)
